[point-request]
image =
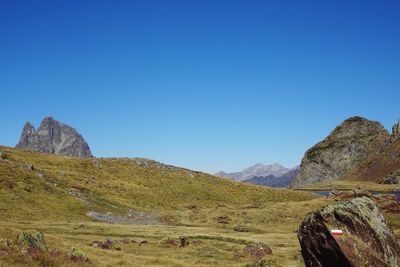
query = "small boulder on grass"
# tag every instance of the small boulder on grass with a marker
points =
(169, 242)
(181, 241)
(257, 249)
(241, 228)
(33, 240)
(223, 219)
(77, 255)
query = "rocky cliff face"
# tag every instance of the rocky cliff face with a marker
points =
(366, 239)
(395, 132)
(54, 137)
(351, 143)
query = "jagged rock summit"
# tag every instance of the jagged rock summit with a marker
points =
(348, 145)
(54, 137)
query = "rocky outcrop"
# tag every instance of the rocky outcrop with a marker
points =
(395, 132)
(348, 145)
(366, 240)
(54, 137)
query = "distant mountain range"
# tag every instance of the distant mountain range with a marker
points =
(274, 175)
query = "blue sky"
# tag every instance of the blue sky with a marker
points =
(207, 85)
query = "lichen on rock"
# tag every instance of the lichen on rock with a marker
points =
(367, 240)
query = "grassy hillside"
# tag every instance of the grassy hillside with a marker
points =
(218, 217)
(37, 183)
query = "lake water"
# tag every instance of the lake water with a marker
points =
(326, 193)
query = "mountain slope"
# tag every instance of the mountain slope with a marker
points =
(33, 185)
(347, 146)
(383, 164)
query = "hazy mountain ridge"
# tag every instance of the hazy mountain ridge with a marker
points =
(273, 181)
(258, 169)
(274, 175)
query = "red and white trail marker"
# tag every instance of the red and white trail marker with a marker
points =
(336, 232)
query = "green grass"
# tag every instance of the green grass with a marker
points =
(115, 184)
(55, 196)
(342, 184)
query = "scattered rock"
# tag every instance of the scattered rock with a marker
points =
(253, 206)
(140, 241)
(223, 219)
(191, 207)
(125, 240)
(170, 242)
(241, 228)
(184, 241)
(54, 253)
(366, 241)
(32, 239)
(258, 249)
(107, 244)
(390, 180)
(77, 255)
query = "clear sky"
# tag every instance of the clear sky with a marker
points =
(207, 85)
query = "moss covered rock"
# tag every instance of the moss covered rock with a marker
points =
(32, 239)
(77, 255)
(366, 240)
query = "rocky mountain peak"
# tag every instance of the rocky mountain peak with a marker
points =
(53, 137)
(349, 144)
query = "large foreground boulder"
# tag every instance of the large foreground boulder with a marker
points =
(365, 240)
